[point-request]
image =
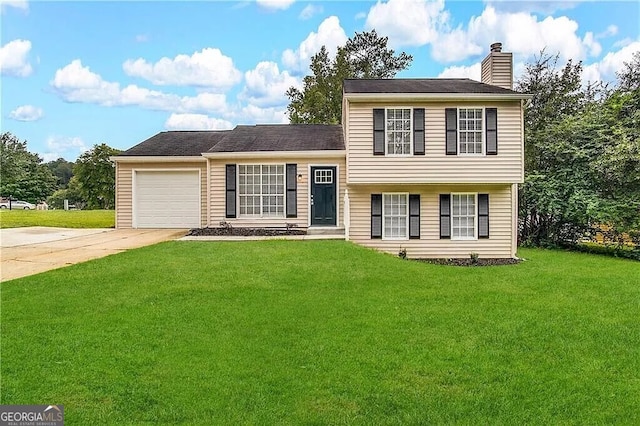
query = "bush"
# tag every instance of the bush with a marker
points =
(625, 252)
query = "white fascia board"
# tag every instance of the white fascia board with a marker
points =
(444, 97)
(157, 159)
(277, 154)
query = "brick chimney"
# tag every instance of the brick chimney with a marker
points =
(497, 67)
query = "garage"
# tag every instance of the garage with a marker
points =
(166, 199)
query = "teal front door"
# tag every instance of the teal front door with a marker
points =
(323, 196)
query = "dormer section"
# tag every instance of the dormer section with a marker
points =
(497, 67)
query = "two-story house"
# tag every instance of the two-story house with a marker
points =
(426, 165)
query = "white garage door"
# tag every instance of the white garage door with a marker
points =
(167, 199)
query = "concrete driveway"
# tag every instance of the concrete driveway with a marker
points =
(28, 251)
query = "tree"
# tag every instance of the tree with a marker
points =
(582, 158)
(72, 193)
(61, 169)
(96, 175)
(364, 56)
(22, 174)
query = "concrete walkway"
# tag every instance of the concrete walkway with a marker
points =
(28, 251)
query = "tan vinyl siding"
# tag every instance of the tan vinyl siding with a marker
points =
(217, 197)
(435, 166)
(498, 245)
(497, 69)
(124, 187)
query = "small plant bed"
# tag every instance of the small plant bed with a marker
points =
(472, 262)
(227, 231)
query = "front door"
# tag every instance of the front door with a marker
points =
(323, 196)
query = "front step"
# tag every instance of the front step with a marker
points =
(333, 231)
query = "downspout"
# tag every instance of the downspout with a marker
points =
(208, 186)
(347, 214)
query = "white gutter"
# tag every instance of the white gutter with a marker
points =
(276, 154)
(156, 159)
(389, 97)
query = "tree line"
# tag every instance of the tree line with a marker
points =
(89, 182)
(582, 155)
(582, 150)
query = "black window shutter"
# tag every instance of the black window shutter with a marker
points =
(445, 215)
(292, 190)
(418, 131)
(378, 131)
(376, 215)
(414, 216)
(492, 130)
(451, 120)
(483, 215)
(230, 185)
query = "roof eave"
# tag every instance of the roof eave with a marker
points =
(385, 97)
(156, 158)
(329, 153)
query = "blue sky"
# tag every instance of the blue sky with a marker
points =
(75, 74)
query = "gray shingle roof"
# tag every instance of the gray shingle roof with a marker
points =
(422, 85)
(177, 143)
(281, 137)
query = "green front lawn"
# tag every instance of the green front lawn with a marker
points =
(324, 332)
(58, 218)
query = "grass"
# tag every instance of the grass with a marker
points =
(324, 332)
(57, 218)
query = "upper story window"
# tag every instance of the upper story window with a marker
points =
(470, 131)
(398, 131)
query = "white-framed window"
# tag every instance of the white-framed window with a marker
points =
(261, 190)
(323, 176)
(398, 131)
(463, 216)
(470, 130)
(395, 216)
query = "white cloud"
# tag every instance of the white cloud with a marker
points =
(275, 4)
(605, 69)
(266, 85)
(360, 15)
(310, 10)
(472, 71)
(610, 31)
(195, 122)
(77, 83)
(330, 34)
(547, 7)
(18, 4)
(207, 68)
(66, 147)
(521, 33)
(407, 23)
(590, 42)
(253, 114)
(13, 58)
(142, 38)
(26, 113)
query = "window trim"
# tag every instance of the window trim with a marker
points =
(261, 215)
(406, 237)
(386, 140)
(475, 216)
(483, 135)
